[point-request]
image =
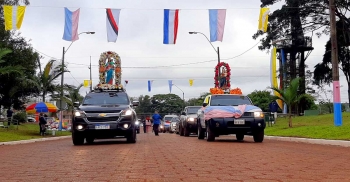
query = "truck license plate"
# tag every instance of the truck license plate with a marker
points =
(239, 121)
(102, 126)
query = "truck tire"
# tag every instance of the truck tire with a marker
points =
(186, 132)
(258, 136)
(181, 131)
(201, 132)
(77, 139)
(90, 140)
(239, 137)
(210, 135)
(132, 137)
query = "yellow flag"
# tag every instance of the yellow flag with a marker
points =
(13, 17)
(263, 19)
(274, 75)
(191, 82)
(86, 83)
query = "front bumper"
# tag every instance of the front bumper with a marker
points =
(192, 126)
(103, 129)
(225, 126)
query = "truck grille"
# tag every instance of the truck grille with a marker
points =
(231, 124)
(111, 111)
(103, 119)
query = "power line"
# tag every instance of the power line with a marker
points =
(73, 77)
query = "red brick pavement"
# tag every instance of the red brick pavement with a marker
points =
(170, 157)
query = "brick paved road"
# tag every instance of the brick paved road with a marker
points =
(170, 157)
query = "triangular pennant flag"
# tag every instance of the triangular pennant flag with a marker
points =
(71, 25)
(170, 82)
(112, 21)
(171, 22)
(217, 19)
(263, 19)
(13, 16)
(150, 85)
(191, 82)
(86, 83)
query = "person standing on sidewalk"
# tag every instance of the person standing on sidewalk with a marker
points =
(156, 122)
(9, 116)
(42, 123)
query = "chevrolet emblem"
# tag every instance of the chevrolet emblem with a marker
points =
(102, 115)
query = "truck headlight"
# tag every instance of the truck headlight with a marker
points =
(258, 114)
(127, 112)
(190, 119)
(137, 122)
(78, 113)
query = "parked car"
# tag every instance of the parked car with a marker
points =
(31, 119)
(188, 120)
(246, 119)
(165, 123)
(174, 121)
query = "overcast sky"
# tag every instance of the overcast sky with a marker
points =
(140, 43)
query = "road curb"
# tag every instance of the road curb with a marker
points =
(342, 143)
(33, 140)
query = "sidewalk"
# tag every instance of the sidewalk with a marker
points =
(33, 140)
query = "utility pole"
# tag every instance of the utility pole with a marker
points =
(90, 76)
(61, 100)
(218, 55)
(335, 69)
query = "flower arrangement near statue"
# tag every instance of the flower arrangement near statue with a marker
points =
(110, 70)
(222, 81)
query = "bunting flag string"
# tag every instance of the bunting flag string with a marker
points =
(171, 22)
(263, 19)
(217, 19)
(71, 25)
(191, 82)
(112, 22)
(13, 16)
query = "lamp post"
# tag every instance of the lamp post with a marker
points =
(183, 94)
(62, 79)
(90, 76)
(216, 50)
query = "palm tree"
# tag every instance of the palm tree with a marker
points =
(8, 69)
(289, 96)
(47, 78)
(71, 95)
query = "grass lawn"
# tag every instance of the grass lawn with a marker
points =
(321, 126)
(25, 132)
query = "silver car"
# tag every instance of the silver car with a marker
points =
(173, 124)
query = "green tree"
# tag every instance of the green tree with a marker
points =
(145, 105)
(167, 103)
(71, 95)
(197, 101)
(261, 98)
(323, 71)
(8, 69)
(289, 96)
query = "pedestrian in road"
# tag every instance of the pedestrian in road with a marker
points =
(42, 123)
(9, 116)
(143, 119)
(156, 122)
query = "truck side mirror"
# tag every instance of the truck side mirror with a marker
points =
(76, 104)
(205, 104)
(183, 113)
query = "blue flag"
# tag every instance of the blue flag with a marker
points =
(149, 85)
(170, 84)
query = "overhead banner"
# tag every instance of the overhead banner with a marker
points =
(112, 22)
(263, 19)
(217, 19)
(71, 23)
(171, 22)
(13, 16)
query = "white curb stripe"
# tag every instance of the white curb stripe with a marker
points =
(33, 140)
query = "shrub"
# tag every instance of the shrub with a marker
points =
(20, 116)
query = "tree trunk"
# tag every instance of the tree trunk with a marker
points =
(290, 116)
(349, 93)
(44, 96)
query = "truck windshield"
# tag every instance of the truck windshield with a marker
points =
(229, 100)
(105, 98)
(193, 110)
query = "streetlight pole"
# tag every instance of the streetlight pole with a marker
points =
(183, 94)
(62, 80)
(90, 76)
(216, 50)
(335, 70)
